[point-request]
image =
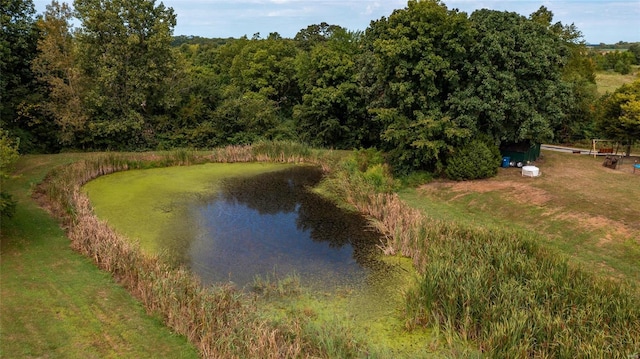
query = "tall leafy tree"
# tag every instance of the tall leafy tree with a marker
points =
(16, 50)
(267, 67)
(313, 34)
(511, 85)
(56, 66)
(18, 38)
(124, 49)
(332, 111)
(418, 54)
(619, 115)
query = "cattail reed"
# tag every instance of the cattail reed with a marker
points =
(220, 321)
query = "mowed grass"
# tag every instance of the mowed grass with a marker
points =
(577, 207)
(54, 302)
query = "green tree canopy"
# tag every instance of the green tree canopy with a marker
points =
(56, 66)
(332, 112)
(18, 90)
(619, 115)
(418, 54)
(512, 86)
(17, 48)
(125, 52)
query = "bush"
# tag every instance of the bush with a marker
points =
(475, 160)
(8, 156)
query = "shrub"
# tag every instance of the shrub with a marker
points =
(475, 160)
(8, 156)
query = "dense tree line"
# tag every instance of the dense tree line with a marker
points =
(420, 84)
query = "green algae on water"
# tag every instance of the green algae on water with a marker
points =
(152, 207)
(148, 206)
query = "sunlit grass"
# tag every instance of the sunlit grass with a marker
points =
(54, 302)
(483, 281)
(609, 81)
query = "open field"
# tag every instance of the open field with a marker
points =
(609, 81)
(54, 302)
(578, 207)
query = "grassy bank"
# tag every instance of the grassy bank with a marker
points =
(506, 288)
(577, 207)
(483, 281)
(54, 302)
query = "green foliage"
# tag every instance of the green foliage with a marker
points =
(8, 156)
(417, 84)
(20, 95)
(619, 114)
(512, 87)
(635, 50)
(313, 34)
(129, 68)
(365, 169)
(56, 66)
(416, 179)
(7, 205)
(417, 54)
(618, 61)
(475, 160)
(332, 110)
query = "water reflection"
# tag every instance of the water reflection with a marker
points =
(272, 223)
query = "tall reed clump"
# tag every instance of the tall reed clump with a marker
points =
(281, 151)
(267, 151)
(496, 286)
(220, 321)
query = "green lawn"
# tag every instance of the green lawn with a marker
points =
(54, 303)
(577, 207)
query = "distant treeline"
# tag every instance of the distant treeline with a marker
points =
(421, 84)
(621, 45)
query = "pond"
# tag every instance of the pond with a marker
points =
(273, 224)
(233, 222)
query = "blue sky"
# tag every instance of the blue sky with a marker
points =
(607, 21)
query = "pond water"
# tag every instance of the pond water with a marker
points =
(233, 222)
(273, 225)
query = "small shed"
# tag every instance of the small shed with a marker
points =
(522, 152)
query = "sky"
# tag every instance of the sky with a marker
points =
(600, 21)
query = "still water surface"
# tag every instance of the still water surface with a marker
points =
(273, 225)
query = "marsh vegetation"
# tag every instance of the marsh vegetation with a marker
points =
(480, 288)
